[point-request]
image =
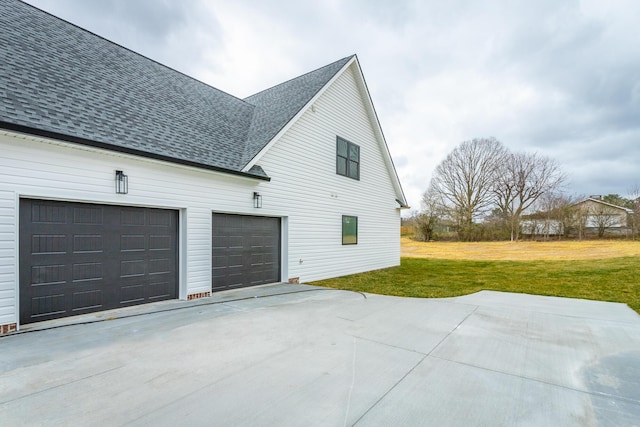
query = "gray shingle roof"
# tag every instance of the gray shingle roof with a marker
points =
(58, 79)
(276, 106)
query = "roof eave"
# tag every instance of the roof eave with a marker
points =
(116, 148)
(402, 204)
(602, 202)
(378, 130)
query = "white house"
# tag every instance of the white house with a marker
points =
(124, 182)
(594, 215)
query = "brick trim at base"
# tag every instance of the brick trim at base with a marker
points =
(199, 295)
(8, 328)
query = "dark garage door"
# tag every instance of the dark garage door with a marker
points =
(78, 258)
(246, 251)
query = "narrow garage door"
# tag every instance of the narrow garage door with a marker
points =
(246, 251)
(78, 258)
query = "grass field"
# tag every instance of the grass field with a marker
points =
(598, 270)
(522, 250)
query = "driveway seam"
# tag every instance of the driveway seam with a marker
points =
(390, 345)
(44, 390)
(415, 366)
(140, 417)
(591, 393)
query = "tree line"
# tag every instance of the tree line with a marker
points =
(482, 191)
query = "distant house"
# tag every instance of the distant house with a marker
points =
(124, 182)
(539, 224)
(595, 216)
(589, 217)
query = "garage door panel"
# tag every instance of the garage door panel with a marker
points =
(269, 256)
(87, 300)
(48, 305)
(227, 242)
(48, 244)
(160, 266)
(257, 259)
(245, 251)
(160, 242)
(46, 213)
(84, 243)
(159, 285)
(132, 217)
(235, 260)
(233, 221)
(79, 258)
(132, 242)
(87, 271)
(88, 215)
(132, 293)
(132, 268)
(218, 261)
(43, 275)
(160, 218)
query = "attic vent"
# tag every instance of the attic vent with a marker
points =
(597, 197)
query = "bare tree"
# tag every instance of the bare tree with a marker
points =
(521, 180)
(554, 206)
(580, 218)
(561, 211)
(603, 217)
(464, 181)
(431, 214)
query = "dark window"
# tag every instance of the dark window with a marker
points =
(349, 230)
(347, 158)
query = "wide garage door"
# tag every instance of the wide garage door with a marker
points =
(78, 258)
(246, 251)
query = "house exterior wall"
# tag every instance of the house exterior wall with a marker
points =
(618, 217)
(8, 256)
(305, 192)
(35, 168)
(302, 165)
(541, 227)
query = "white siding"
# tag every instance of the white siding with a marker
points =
(8, 257)
(76, 173)
(305, 192)
(302, 165)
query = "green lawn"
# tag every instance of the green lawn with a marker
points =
(613, 279)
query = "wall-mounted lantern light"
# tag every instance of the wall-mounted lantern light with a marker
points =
(122, 183)
(257, 200)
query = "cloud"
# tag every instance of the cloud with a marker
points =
(172, 33)
(558, 78)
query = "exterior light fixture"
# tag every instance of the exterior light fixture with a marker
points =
(257, 200)
(122, 183)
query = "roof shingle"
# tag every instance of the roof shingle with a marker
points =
(56, 77)
(276, 106)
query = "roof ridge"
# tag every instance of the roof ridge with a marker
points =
(297, 77)
(132, 51)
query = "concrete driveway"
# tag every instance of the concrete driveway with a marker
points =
(295, 355)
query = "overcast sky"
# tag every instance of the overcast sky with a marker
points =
(561, 78)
